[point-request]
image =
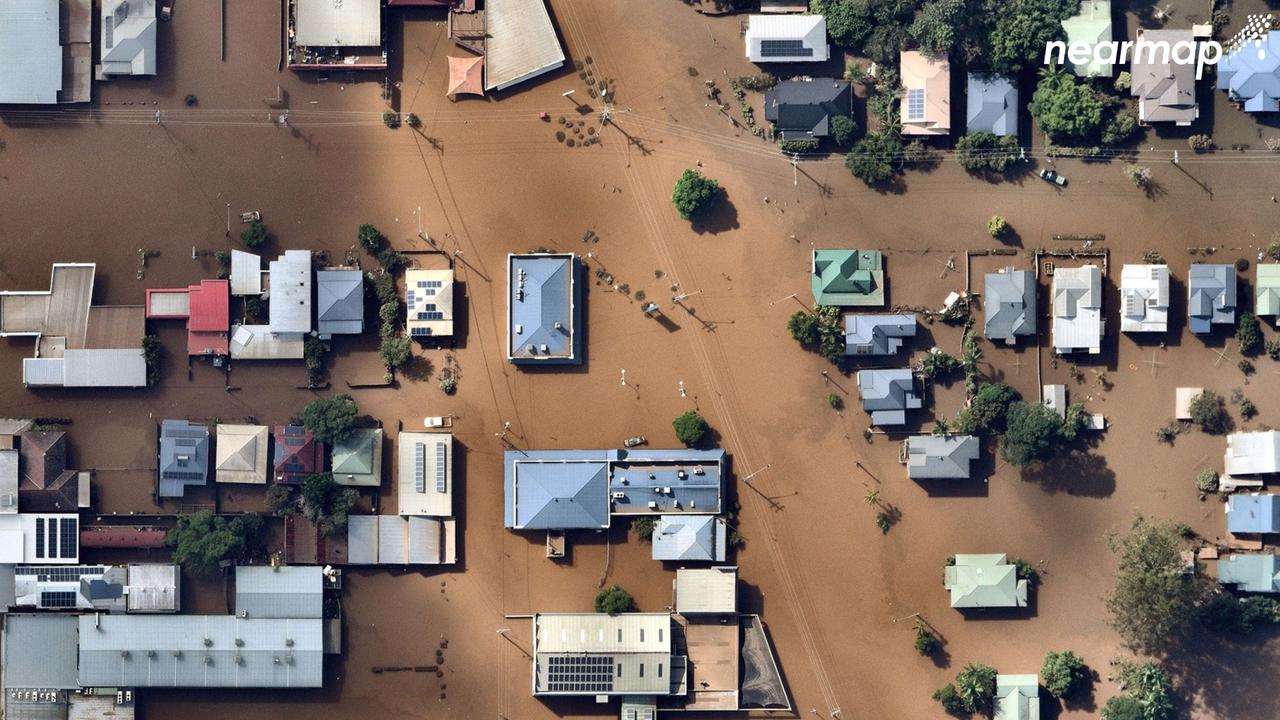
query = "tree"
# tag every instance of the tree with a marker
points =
(202, 540)
(1153, 600)
(987, 408)
(848, 22)
(690, 427)
(1063, 673)
(949, 698)
(370, 238)
(1207, 480)
(1020, 29)
(394, 351)
(693, 193)
(1139, 175)
(281, 500)
(151, 352)
(1076, 420)
(1123, 707)
(643, 526)
(1224, 612)
(976, 685)
(1149, 686)
(997, 226)
(313, 352)
(803, 327)
(1209, 412)
(934, 29)
(1065, 108)
(1031, 435)
(384, 286)
(937, 365)
(982, 151)
(391, 119)
(326, 503)
(254, 236)
(331, 418)
(613, 600)
(1119, 128)
(391, 260)
(843, 128)
(927, 642)
(1249, 334)
(874, 157)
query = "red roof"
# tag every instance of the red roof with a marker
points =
(297, 454)
(207, 343)
(121, 537)
(210, 306)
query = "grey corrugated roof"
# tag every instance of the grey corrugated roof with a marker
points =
(40, 652)
(992, 104)
(542, 308)
(280, 592)
(199, 651)
(133, 50)
(689, 537)
(939, 456)
(887, 394)
(184, 456)
(1166, 90)
(340, 302)
(564, 490)
(803, 109)
(877, 334)
(30, 52)
(1251, 573)
(1211, 296)
(1009, 304)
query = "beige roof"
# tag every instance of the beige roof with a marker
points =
(241, 455)
(349, 23)
(707, 590)
(931, 76)
(520, 42)
(426, 473)
(428, 292)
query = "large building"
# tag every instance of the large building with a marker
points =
(429, 302)
(39, 539)
(324, 34)
(1144, 298)
(425, 473)
(401, 540)
(600, 654)
(265, 591)
(139, 588)
(45, 51)
(926, 98)
(520, 43)
(1009, 305)
(787, 39)
(1211, 297)
(543, 309)
(1077, 310)
(128, 38)
(1166, 90)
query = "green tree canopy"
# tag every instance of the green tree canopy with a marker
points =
(1063, 673)
(330, 418)
(326, 503)
(982, 151)
(1020, 29)
(394, 351)
(874, 158)
(976, 685)
(690, 428)
(202, 540)
(693, 193)
(987, 408)
(843, 128)
(254, 236)
(1032, 433)
(613, 600)
(803, 327)
(1249, 334)
(1065, 107)
(370, 238)
(1209, 412)
(1153, 600)
(937, 26)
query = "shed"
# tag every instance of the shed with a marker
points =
(707, 591)
(264, 591)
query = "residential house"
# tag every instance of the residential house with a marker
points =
(1009, 305)
(930, 457)
(339, 302)
(984, 581)
(1267, 290)
(888, 394)
(1251, 573)
(690, 538)
(787, 38)
(184, 457)
(1250, 73)
(1077, 323)
(926, 102)
(206, 308)
(543, 309)
(1144, 298)
(992, 104)
(357, 460)
(1211, 297)
(848, 277)
(1253, 453)
(1253, 514)
(46, 484)
(429, 299)
(1166, 90)
(804, 109)
(1017, 697)
(877, 334)
(1090, 27)
(241, 454)
(128, 41)
(297, 454)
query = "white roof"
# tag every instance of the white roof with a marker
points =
(30, 52)
(520, 42)
(426, 473)
(428, 292)
(88, 368)
(128, 41)
(1077, 309)
(811, 30)
(246, 273)
(707, 590)
(340, 23)
(257, 342)
(1252, 453)
(1144, 298)
(290, 285)
(59, 544)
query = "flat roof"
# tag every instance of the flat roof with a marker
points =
(30, 52)
(40, 652)
(349, 23)
(289, 282)
(295, 591)
(425, 473)
(520, 43)
(707, 590)
(257, 342)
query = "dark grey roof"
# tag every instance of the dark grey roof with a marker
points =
(340, 302)
(803, 109)
(184, 457)
(1166, 90)
(992, 104)
(877, 334)
(40, 652)
(1009, 304)
(1211, 296)
(887, 394)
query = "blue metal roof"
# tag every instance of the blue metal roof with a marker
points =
(690, 538)
(1211, 296)
(542, 308)
(1251, 73)
(666, 481)
(184, 457)
(1253, 514)
(1251, 573)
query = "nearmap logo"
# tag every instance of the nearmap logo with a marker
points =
(1149, 52)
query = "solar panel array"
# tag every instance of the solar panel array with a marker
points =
(57, 599)
(440, 461)
(59, 573)
(784, 48)
(69, 537)
(582, 674)
(419, 467)
(915, 104)
(56, 539)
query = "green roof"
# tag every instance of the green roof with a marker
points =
(358, 459)
(848, 277)
(1268, 289)
(984, 581)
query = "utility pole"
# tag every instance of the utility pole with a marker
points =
(228, 219)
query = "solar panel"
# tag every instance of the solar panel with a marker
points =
(39, 537)
(440, 450)
(915, 104)
(419, 465)
(784, 48)
(581, 674)
(69, 537)
(57, 599)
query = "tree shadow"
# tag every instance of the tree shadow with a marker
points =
(418, 368)
(1074, 472)
(719, 216)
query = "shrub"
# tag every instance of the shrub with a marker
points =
(1207, 481)
(1247, 409)
(254, 236)
(1123, 707)
(330, 419)
(1119, 128)
(873, 158)
(313, 355)
(937, 365)
(997, 226)
(413, 121)
(1025, 571)
(843, 128)
(613, 600)
(1249, 334)
(884, 522)
(1272, 348)
(949, 698)
(1246, 366)
(1167, 433)
(391, 260)
(983, 151)
(391, 119)
(394, 351)
(1208, 412)
(281, 500)
(1123, 81)
(643, 527)
(803, 327)
(806, 145)
(1200, 143)
(370, 238)
(835, 401)
(1139, 175)
(389, 313)
(690, 428)
(1032, 434)
(1225, 612)
(151, 351)
(1149, 684)
(384, 287)
(927, 642)
(693, 193)
(1063, 673)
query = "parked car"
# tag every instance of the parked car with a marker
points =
(1053, 177)
(634, 441)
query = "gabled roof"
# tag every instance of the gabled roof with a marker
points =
(1253, 453)
(926, 83)
(358, 459)
(887, 394)
(877, 334)
(1077, 309)
(297, 454)
(1253, 514)
(542, 308)
(848, 277)
(1166, 91)
(397, 540)
(1251, 573)
(803, 108)
(1092, 25)
(1267, 290)
(241, 455)
(1017, 697)
(690, 538)
(992, 104)
(940, 456)
(1009, 304)
(339, 302)
(520, 42)
(809, 30)
(1251, 74)
(984, 581)
(1211, 296)
(1144, 298)
(184, 457)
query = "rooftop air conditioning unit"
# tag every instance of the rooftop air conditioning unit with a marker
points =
(519, 329)
(699, 471)
(543, 348)
(653, 505)
(666, 491)
(680, 474)
(618, 495)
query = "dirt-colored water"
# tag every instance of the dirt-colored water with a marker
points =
(490, 178)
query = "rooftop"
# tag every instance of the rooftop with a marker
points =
(425, 473)
(350, 23)
(339, 302)
(992, 104)
(1077, 309)
(520, 43)
(887, 394)
(1144, 298)
(787, 38)
(242, 454)
(1009, 305)
(599, 654)
(690, 538)
(877, 334)
(40, 652)
(1211, 296)
(297, 454)
(803, 109)
(542, 308)
(1267, 290)
(1251, 74)
(289, 276)
(848, 277)
(264, 591)
(1091, 25)
(1251, 573)
(1253, 514)
(184, 457)
(1253, 453)
(984, 581)
(259, 342)
(30, 52)
(1017, 697)
(128, 37)
(940, 456)
(429, 297)
(706, 591)
(926, 97)
(1166, 91)
(399, 540)
(358, 459)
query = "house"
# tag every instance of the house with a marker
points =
(45, 51)
(543, 309)
(297, 454)
(1253, 453)
(926, 100)
(1253, 514)
(39, 539)
(706, 591)
(1077, 323)
(45, 484)
(425, 477)
(787, 38)
(847, 277)
(1250, 73)
(1090, 27)
(888, 395)
(1144, 298)
(357, 460)
(401, 540)
(992, 104)
(241, 454)
(339, 302)
(128, 38)
(289, 285)
(1009, 305)
(1017, 697)
(1211, 297)
(1166, 90)
(265, 591)
(984, 581)
(324, 34)
(520, 42)
(929, 457)
(1267, 290)
(184, 457)
(1251, 573)
(429, 299)
(690, 538)
(200, 651)
(582, 489)
(804, 109)
(877, 334)
(139, 588)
